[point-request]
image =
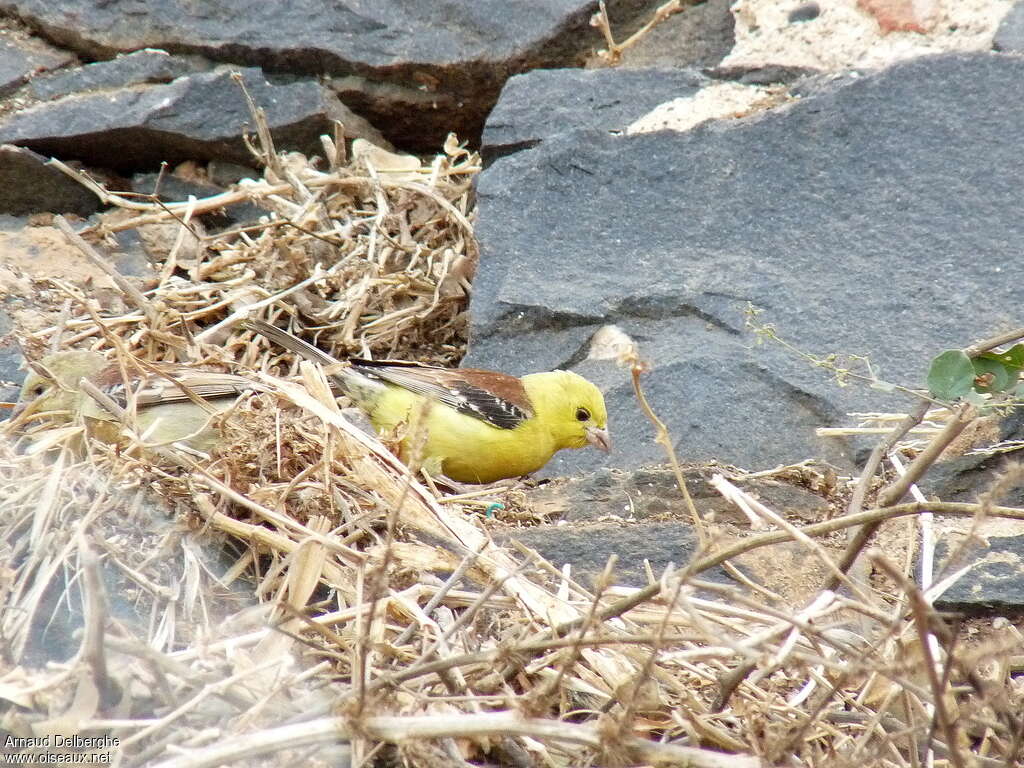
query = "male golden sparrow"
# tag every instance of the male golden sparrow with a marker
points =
(480, 426)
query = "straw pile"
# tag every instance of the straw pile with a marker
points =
(301, 597)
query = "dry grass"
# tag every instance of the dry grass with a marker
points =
(301, 598)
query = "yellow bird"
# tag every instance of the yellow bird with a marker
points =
(480, 426)
(172, 402)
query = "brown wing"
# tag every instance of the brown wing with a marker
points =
(170, 384)
(495, 398)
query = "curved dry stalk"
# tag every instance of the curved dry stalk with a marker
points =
(398, 729)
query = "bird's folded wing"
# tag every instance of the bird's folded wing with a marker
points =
(170, 385)
(495, 398)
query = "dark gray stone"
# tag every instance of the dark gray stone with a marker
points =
(30, 186)
(10, 360)
(425, 69)
(874, 217)
(651, 495)
(198, 117)
(994, 586)
(225, 174)
(140, 67)
(587, 549)
(966, 477)
(307, 35)
(700, 36)
(805, 12)
(770, 74)
(130, 258)
(21, 57)
(545, 103)
(642, 515)
(1010, 35)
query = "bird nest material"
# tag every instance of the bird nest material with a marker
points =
(301, 597)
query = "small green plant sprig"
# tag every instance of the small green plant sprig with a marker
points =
(956, 374)
(843, 368)
(968, 374)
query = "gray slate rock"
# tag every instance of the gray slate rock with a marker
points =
(805, 12)
(306, 35)
(588, 549)
(878, 216)
(30, 186)
(652, 495)
(701, 36)
(138, 68)
(10, 360)
(21, 57)
(546, 103)
(769, 74)
(995, 583)
(447, 62)
(1010, 35)
(199, 117)
(641, 515)
(966, 477)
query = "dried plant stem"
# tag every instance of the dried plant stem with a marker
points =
(989, 344)
(457, 575)
(397, 729)
(567, 659)
(880, 451)
(922, 613)
(663, 438)
(266, 153)
(734, 494)
(962, 416)
(97, 615)
(615, 50)
(914, 418)
(873, 516)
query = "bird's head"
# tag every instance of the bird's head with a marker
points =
(573, 407)
(52, 386)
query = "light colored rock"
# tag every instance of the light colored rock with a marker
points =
(717, 101)
(847, 36)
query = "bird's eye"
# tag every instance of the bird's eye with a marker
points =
(582, 414)
(37, 390)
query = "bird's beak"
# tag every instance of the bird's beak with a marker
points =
(600, 439)
(20, 413)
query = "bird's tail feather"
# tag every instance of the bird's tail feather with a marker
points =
(351, 382)
(289, 341)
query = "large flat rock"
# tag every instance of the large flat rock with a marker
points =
(201, 116)
(879, 215)
(418, 69)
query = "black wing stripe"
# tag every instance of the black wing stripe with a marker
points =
(493, 410)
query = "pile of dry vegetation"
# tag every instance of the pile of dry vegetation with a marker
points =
(301, 598)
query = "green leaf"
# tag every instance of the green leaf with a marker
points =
(1012, 358)
(998, 374)
(1015, 355)
(951, 375)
